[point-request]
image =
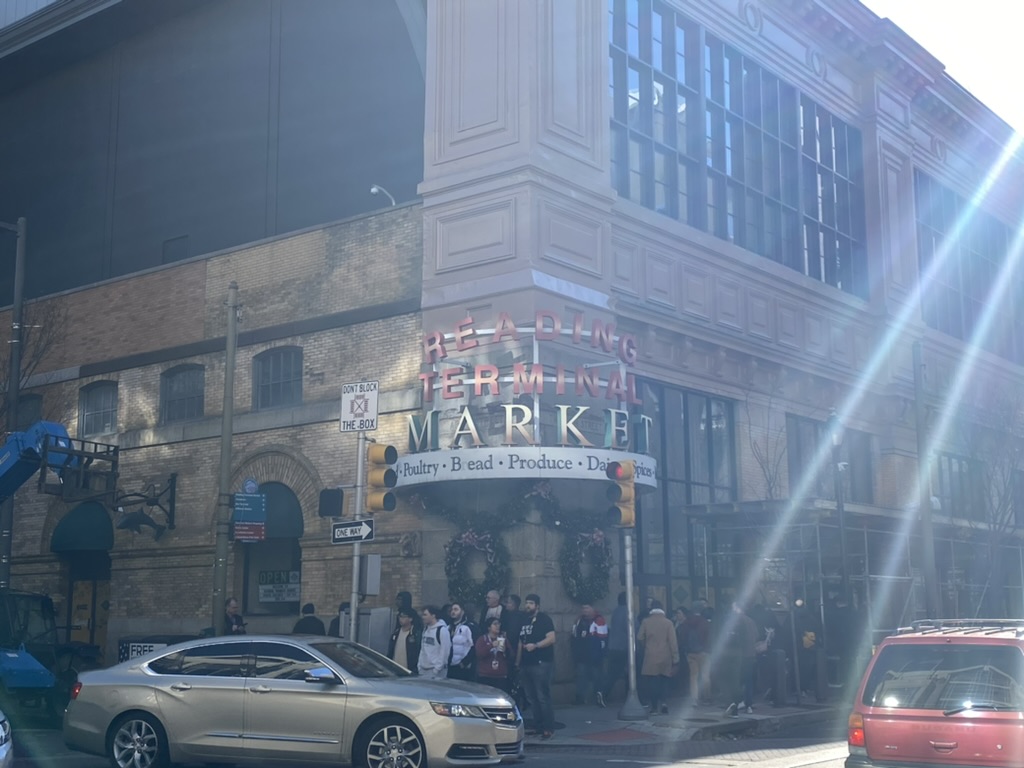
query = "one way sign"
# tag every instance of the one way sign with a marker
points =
(350, 533)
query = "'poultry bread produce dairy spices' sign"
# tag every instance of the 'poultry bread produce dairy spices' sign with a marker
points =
(518, 462)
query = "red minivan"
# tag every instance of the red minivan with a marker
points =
(942, 693)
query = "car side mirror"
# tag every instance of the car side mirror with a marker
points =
(321, 675)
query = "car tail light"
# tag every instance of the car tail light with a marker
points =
(855, 732)
(75, 690)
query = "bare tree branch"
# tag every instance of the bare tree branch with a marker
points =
(768, 441)
(43, 334)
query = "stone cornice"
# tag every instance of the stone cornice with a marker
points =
(47, 21)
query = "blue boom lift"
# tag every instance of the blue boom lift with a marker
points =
(75, 470)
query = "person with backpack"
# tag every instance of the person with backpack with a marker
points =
(462, 664)
(436, 647)
(695, 640)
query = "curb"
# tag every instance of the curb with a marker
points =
(761, 725)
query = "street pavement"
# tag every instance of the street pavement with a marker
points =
(685, 730)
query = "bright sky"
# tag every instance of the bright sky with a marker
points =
(979, 41)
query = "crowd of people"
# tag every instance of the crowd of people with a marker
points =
(696, 655)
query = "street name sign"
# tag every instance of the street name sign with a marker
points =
(351, 532)
(358, 407)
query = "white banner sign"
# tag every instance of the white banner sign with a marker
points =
(280, 593)
(518, 463)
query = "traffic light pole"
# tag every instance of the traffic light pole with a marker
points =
(357, 515)
(632, 709)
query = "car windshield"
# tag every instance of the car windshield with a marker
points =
(360, 661)
(948, 677)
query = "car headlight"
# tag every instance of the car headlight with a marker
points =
(457, 710)
(5, 731)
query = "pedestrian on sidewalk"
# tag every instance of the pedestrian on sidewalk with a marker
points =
(657, 637)
(681, 684)
(536, 665)
(492, 656)
(695, 632)
(436, 645)
(309, 624)
(616, 651)
(589, 638)
(740, 651)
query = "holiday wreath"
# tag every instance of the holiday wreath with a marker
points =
(480, 532)
(591, 548)
(497, 573)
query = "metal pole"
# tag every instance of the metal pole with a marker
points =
(844, 576)
(13, 393)
(357, 515)
(224, 505)
(632, 709)
(924, 492)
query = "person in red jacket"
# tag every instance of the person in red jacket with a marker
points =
(492, 666)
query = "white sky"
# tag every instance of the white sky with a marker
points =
(979, 41)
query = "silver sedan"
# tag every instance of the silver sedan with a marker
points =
(291, 699)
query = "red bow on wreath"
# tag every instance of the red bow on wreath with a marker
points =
(479, 541)
(594, 539)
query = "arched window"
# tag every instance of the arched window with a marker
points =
(182, 393)
(277, 378)
(97, 408)
(273, 567)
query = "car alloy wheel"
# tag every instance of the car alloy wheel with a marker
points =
(393, 744)
(137, 741)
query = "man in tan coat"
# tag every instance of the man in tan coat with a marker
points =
(657, 637)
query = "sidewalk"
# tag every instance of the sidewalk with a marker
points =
(590, 728)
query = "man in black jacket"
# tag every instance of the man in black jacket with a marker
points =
(309, 624)
(405, 642)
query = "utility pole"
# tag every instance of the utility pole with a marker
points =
(224, 505)
(357, 515)
(924, 491)
(13, 393)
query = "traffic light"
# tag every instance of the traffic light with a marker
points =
(380, 477)
(621, 493)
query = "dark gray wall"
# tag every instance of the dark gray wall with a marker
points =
(234, 121)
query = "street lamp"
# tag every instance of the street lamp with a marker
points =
(835, 428)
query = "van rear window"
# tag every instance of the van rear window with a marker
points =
(947, 677)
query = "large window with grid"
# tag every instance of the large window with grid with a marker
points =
(97, 408)
(706, 135)
(277, 378)
(957, 482)
(961, 251)
(182, 392)
(692, 440)
(805, 438)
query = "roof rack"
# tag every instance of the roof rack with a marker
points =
(936, 626)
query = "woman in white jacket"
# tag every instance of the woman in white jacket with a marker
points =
(436, 647)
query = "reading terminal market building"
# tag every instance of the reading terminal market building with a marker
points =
(555, 234)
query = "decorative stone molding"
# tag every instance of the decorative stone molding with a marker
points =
(816, 61)
(939, 148)
(750, 13)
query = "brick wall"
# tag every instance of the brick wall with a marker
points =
(167, 584)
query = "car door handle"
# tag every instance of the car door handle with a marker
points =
(261, 689)
(181, 687)
(944, 745)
